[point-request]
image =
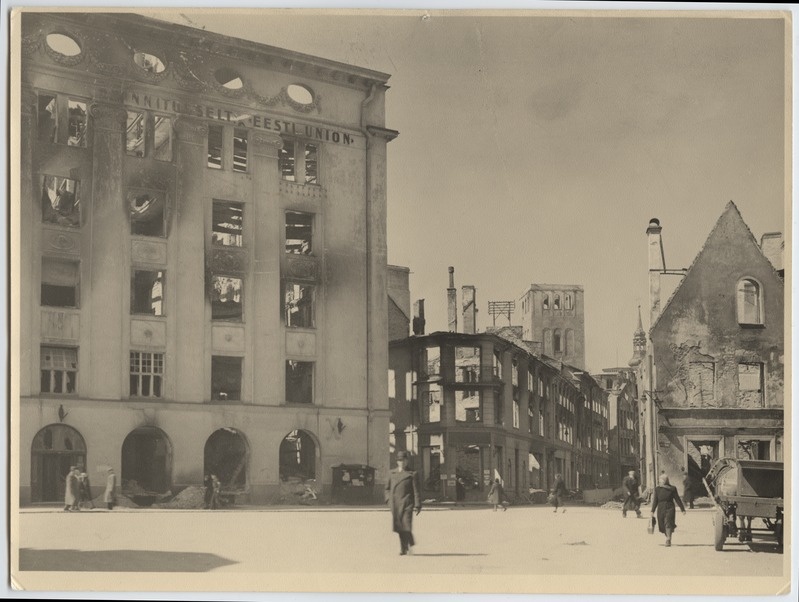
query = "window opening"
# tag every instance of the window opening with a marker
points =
(147, 292)
(59, 369)
(226, 298)
(135, 134)
(228, 220)
(225, 378)
(48, 118)
(240, 150)
(749, 302)
(77, 123)
(60, 201)
(63, 44)
(299, 233)
(60, 282)
(299, 382)
(215, 134)
(298, 305)
(297, 457)
(147, 213)
(149, 62)
(146, 373)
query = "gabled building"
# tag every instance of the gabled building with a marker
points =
(717, 355)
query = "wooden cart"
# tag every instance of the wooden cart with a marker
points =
(743, 490)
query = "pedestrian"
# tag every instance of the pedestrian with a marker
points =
(72, 491)
(86, 490)
(209, 491)
(110, 495)
(663, 500)
(402, 494)
(687, 493)
(496, 495)
(558, 491)
(216, 489)
(460, 490)
(632, 492)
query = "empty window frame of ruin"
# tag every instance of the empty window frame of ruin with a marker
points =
(750, 382)
(754, 448)
(568, 302)
(299, 382)
(701, 382)
(226, 378)
(556, 302)
(146, 374)
(430, 398)
(148, 135)
(467, 364)
(59, 369)
(468, 406)
(240, 150)
(749, 302)
(516, 414)
(298, 161)
(429, 362)
(299, 232)
(227, 223)
(545, 302)
(60, 201)
(147, 292)
(147, 213)
(226, 298)
(298, 305)
(60, 283)
(215, 146)
(62, 120)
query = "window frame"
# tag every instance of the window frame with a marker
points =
(740, 307)
(53, 370)
(240, 317)
(312, 246)
(312, 365)
(133, 270)
(76, 286)
(300, 173)
(152, 374)
(63, 122)
(219, 243)
(224, 358)
(285, 306)
(75, 216)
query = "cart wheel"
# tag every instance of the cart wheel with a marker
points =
(720, 529)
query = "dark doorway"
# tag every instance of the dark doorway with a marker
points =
(226, 455)
(54, 449)
(146, 461)
(297, 456)
(701, 457)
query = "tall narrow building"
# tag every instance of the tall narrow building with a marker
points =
(554, 315)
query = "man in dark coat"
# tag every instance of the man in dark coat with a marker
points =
(558, 492)
(632, 500)
(687, 492)
(402, 493)
(663, 500)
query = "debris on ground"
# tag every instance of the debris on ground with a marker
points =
(577, 543)
(190, 498)
(612, 505)
(122, 501)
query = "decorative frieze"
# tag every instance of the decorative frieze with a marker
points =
(59, 325)
(294, 190)
(227, 338)
(300, 344)
(147, 333)
(302, 267)
(147, 251)
(228, 260)
(61, 241)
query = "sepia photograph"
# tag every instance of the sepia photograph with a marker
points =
(408, 301)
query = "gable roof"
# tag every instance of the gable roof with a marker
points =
(730, 215)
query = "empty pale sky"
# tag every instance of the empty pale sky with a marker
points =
(536, 148)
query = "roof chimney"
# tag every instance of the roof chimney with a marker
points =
(452, 302)
(468, 294)
(418, 317)
(773, 246)
(657, 264)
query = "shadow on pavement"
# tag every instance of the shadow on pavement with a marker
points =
(415, 554)
(119, 561)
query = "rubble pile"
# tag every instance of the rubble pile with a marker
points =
(189, 498)
(612, 505)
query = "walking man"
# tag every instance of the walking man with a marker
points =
(558, 491)
(632, 491)
(402, 493)
(72, 491)
(687, 493)
(110, 495)
(86, 490)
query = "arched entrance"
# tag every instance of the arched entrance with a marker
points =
(146, 462)
(226, 456)
(297, 456)
(54, 449)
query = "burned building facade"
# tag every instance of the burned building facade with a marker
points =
(202, 259)
(554, 315)
(715, 367)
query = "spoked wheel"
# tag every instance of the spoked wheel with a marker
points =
(720, 529)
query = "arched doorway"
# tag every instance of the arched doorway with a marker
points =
(297, 456)
(226, 456)
(54, 449)
(146, 462)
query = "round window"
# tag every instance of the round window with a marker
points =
(63, 44)
(149, 62)
(300, 94)
(229, 78)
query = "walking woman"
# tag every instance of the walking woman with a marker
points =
(496, 495)
(558, 491)
(664, 498)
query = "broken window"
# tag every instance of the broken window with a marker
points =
(225, 456)
(228, 223)
(297, 457)
(701, 378)
(498, 364)
(499, 409)
(430, 398)
(298, 161)
(298, 305)
(749, 302)
(430, 362)
(467, 364)
(567, 301)
(215, 136)
(530, 418)
(60, 282)
(468, 406)
(147, 292)
(556, 343)
(77, 123)
(299, 382)
(60, 201)
(226, 298)
(556, 302)
(753, 449)
(48, 118)
(146, 373)
(59, 369)
(162, 138)
(147, 213)
(225, 378)
(299, 233)
(240, 150)
(134, 140)
(516, 414)
(146, 462)
(545, 303)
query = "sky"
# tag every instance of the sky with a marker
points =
(535, 148)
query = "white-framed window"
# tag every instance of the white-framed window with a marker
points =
(749, 301)
(146, 374)
(59, 369)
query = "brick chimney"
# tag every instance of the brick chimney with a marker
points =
(418, 317)
(452, 302)
(468, 294)
(657, 264)
(773, 246)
